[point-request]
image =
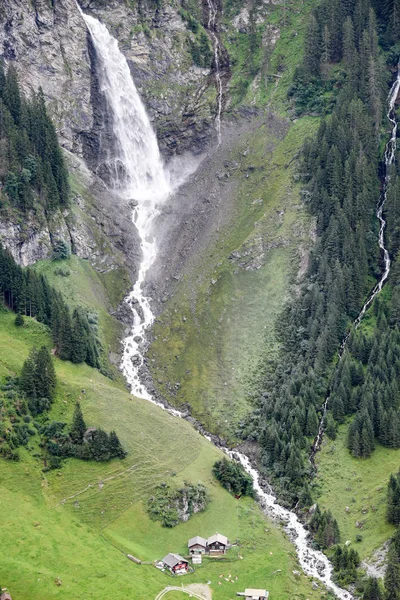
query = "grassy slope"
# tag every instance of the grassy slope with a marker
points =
(88, 288)
(234, 318)
(268, 225)
(361, 485)
(42, 540)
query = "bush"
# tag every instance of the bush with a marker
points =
(19, 320)
(233, 477)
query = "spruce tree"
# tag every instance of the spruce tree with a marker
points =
(78, 426)
(116, 449)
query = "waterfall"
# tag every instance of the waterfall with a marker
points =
(138, 174)
(211, 26)
(390, 152)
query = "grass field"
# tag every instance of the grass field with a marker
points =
(86, 287)
(82, 541)
(234, 316)
(360, 485)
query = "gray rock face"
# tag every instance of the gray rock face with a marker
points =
(48, 46)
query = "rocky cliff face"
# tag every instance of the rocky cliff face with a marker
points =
(48, 44)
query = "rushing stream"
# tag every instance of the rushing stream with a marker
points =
(390, 152)
(139, 175)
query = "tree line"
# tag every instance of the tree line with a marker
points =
(32, 167)
(28, 293)
(340, 171)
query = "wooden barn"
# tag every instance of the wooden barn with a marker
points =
(176, 564)
(217, 544)
(197, 545)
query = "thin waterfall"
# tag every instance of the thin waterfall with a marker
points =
(211, 26)
(137, 173)
(390, 152)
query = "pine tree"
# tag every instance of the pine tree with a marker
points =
(312, 55)
(45, 375)
(116, 449)
(78, 426)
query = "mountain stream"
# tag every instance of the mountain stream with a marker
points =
(389, 157)
(140, 175)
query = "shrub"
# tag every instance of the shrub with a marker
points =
(233, 477)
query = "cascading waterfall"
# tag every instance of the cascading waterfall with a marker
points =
(139, 175)
(211, 26)
(390, 152)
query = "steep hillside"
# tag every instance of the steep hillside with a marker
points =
(85, 514)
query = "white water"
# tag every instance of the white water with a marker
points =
(139, 174)
(212, 15)
(390, 152)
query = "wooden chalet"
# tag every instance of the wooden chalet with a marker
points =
(217, 544)
(197, 545)
(253, 594)
(176, 564)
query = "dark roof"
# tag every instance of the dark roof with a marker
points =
(197, 540)
(218, 537)
(171, 560)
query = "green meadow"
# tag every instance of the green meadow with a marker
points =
(74, 526)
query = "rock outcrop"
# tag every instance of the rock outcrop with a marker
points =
(49, 46)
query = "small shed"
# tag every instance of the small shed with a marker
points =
(253, 594)
(197, 545)
(176, 564)
(197, 559)
(217, 544)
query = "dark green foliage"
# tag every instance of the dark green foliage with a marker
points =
(31, 163)
(28, 293)
(393, 500)
(80, 442)
(201, 50)
(115, 446)
(38, 380)
(170, 506)
(345, 562)
(78, 426)
(372, 590)
(392, 575)
(325, 528)
(233, 477)
(361, 436)
(339, 170)
(19, 320)
(336, 33)
(15, 423)
(61, 250)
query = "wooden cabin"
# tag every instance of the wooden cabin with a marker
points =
(176, 564)
(217, 544)
(197, 545)
(253, 594)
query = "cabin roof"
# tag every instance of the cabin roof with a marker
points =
(218, 537)
(256, 593)
(171, 560)
(197, 540)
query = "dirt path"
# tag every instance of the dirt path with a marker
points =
(194, 590)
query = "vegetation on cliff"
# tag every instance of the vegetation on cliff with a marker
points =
(32, 167)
